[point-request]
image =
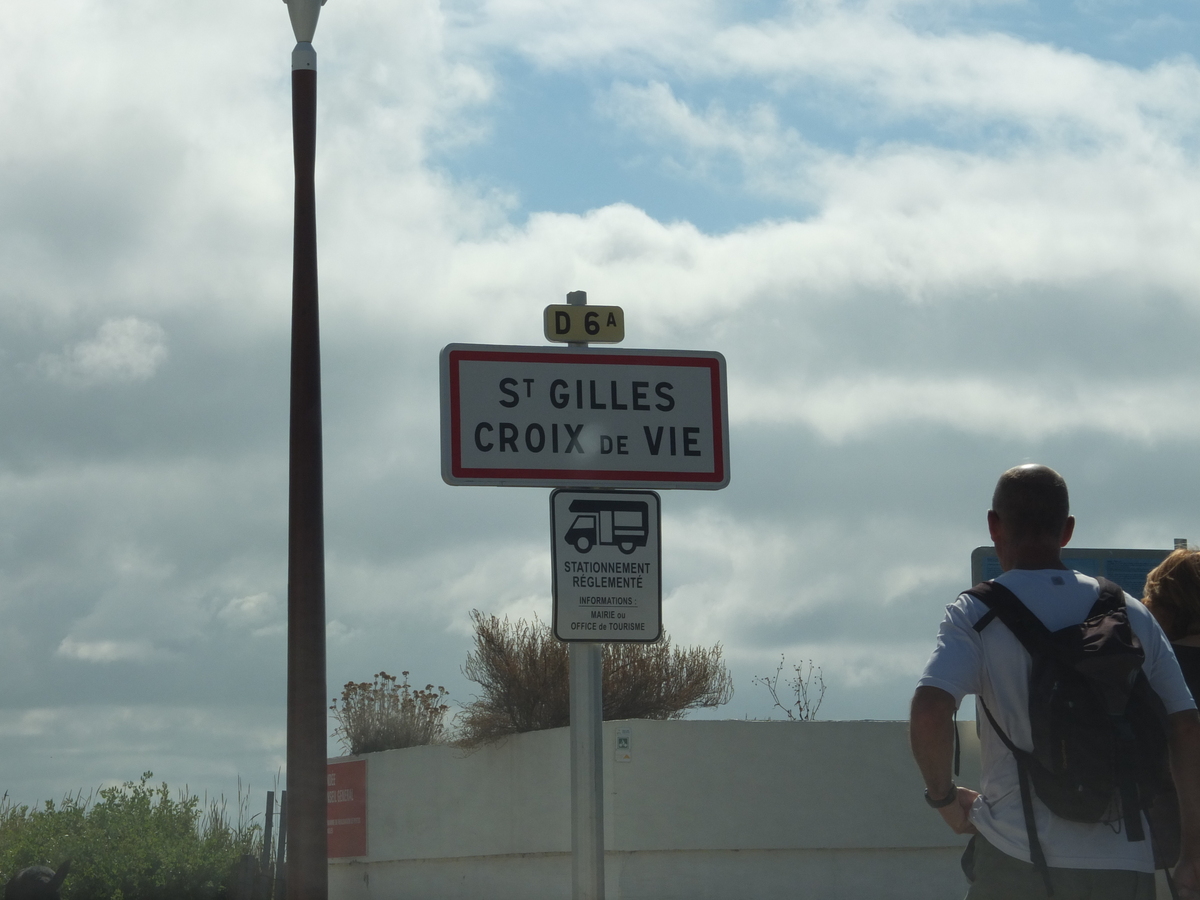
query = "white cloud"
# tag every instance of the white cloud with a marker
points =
(850, 407)
(441, 588)
(753, 137)
(124, 351)
(28, 723)
(262, 614)
(918, 224)
(870, 52)
(732, 574)
(108, 651)
(773, 156)
(209, 750)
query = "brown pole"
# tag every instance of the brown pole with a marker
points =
(307, 877)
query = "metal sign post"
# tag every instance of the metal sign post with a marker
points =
(587, 771)
(586, 673)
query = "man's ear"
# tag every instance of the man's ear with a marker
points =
(993, 521)
(1067, 532)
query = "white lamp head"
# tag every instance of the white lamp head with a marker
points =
(304, 15)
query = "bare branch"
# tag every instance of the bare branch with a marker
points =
(807, 689)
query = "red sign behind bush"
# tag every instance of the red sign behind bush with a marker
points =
(346, 786)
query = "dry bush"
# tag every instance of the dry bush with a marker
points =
(807, 687)
(658, 681)
(523, 674)
(383, 715)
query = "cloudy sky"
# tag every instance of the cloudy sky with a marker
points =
(933, 240)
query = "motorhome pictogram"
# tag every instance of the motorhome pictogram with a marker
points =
(624, 524)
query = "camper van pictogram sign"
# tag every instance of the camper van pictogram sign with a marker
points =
(607, 562)
(558, 416)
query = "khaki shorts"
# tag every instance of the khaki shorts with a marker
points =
(999, 876)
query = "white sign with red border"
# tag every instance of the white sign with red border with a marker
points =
(602, 417)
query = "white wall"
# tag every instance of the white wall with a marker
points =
(705, 810)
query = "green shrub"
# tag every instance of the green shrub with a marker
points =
(384, 715)
(135, 842)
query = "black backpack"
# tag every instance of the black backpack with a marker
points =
(1099, 729)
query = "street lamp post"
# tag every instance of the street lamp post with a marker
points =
(307, 874)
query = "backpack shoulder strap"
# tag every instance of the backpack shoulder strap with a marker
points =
(1112, 598)
(1008, 608)
(1036, 855)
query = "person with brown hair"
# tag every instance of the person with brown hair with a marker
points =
(1172, 594)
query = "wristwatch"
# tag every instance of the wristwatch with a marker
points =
(945, 801)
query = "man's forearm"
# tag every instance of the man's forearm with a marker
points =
(931, 735)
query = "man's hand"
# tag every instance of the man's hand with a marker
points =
(957, 814)
(931, 733)
(1187, 879)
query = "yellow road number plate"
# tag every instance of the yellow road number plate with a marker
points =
(595, 324)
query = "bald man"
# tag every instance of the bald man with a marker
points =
(1030, 523)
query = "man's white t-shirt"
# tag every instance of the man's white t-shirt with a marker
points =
(993, 664)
